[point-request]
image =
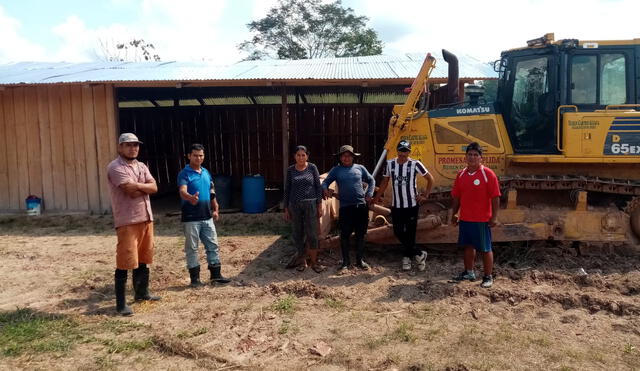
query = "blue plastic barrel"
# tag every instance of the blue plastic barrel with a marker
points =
(223, 191)
(253, 194)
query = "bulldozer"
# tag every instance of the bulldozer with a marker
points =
(563, 136)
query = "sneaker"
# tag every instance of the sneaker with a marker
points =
(343, 269)
(465, 275)
(487, 281)
(421, 261)
(406, 264)
(363, 265)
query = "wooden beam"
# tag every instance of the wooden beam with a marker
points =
(112, 120)
(4, 173)
(285, 132)
(90, 149)
(69, 148)
(21, 144)
(103, 143)
(34, 148)
(45, 143)
(78, 140)
(57, 150)
(12, 150)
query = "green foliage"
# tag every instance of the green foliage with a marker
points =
(304, 29)
(288, 328)
(135, 50)
(403, 333)
(490, 89)
(192, 333)
(118, 327)
(23, 331)
(285, 305)
(335, 304)
(114, 346)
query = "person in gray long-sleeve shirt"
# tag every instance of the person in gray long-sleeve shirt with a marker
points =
(354, 202)
(302, 206)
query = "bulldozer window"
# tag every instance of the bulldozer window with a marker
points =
(530, 128)
(598, 79)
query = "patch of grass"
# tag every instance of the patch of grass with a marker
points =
(118, 327)
(264, 224)
(335, 304)
(190, 334)
(425, 312)
(105, 362)
(129, 346)
(541, 341)
(286, 305)
(432, 333)
(504, 335)
(25, 331)
(629, 348)
(597, 357)
(566, 368)
(468, 337)
(374, 343)
(288, 328)
(403, 333)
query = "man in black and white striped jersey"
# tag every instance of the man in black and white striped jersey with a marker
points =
(403, 171)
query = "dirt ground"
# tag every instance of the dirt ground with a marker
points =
(57, 306)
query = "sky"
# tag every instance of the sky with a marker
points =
(210, 30)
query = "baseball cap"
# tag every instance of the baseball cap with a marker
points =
(128, 138)
(404, 145)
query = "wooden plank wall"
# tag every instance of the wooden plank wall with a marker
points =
(55, 143)
(243, 140)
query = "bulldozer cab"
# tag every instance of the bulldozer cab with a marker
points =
(529, 84)
(535, 81)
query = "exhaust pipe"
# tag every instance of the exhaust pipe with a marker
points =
(453, 80)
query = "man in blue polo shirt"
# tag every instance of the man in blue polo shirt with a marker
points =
(199, 208)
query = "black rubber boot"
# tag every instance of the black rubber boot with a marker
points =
(360, 254)
(141, 283)
(120, 286)
(216, 276)
(344, 247)
(194, 273)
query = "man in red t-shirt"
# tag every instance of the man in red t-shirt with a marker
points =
(476, 194)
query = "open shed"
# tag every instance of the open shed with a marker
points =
(59, 122)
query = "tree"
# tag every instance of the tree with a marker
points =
(303, 29)
(136, 50)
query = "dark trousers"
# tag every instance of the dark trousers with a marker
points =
(304, 218)
(405, 222)
(353, 218)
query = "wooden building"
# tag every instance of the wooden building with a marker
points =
(59, 123)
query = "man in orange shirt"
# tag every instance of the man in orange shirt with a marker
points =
(476, 194)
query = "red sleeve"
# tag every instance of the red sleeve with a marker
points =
(494, 185)
(455, 192)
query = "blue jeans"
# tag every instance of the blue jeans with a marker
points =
(194, 232)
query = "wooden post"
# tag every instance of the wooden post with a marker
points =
(285, 134)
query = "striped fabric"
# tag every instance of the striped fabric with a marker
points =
(403, 181)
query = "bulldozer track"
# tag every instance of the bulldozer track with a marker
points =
(623, 187)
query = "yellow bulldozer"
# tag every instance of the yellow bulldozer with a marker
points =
(563, 135)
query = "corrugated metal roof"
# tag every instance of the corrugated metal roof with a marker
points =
(353, 68)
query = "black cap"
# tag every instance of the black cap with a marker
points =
(404, 145)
